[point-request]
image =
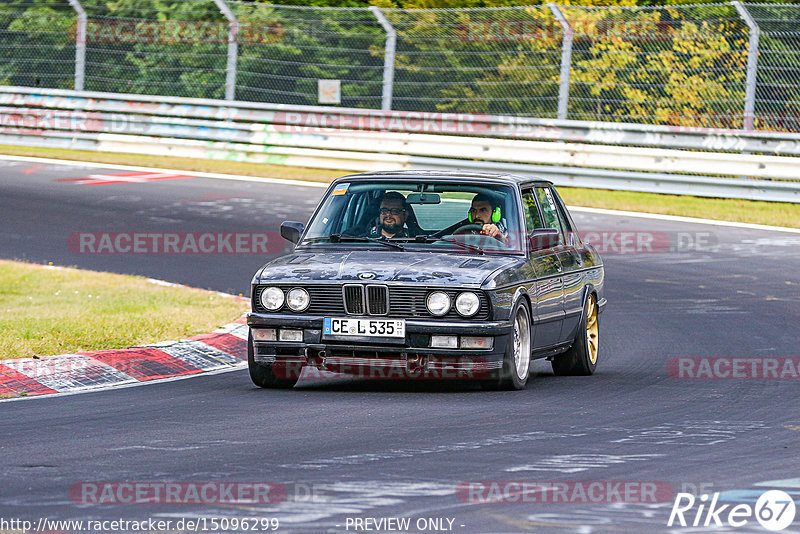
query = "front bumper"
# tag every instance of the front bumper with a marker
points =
(409, 357)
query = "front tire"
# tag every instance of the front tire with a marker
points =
(581, 358)
(263, 374)
(517, 358)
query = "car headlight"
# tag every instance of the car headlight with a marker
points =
(438, 303)
(272, 298)
(467, 303)
(298, 299)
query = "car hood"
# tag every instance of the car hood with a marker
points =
(377, 266)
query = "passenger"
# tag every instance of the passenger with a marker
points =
(392, 218)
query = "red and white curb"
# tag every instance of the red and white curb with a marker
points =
(224, 348)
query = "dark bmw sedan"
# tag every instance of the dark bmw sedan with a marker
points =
(423, 274)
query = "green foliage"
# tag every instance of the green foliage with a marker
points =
(665, 69)
(37, 46)
(683, 65)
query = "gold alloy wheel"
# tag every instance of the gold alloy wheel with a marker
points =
(592, 330)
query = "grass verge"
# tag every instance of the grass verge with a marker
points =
(46, 311)
(720, 209)
(747, 211)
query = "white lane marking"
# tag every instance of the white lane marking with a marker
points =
(154, 448)
(213, 175)
(358, 459)
(130, 178)
(220, 176)
(575, 463)
(677, 218)
(696, 433)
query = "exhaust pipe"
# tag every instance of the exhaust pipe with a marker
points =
(414, 363)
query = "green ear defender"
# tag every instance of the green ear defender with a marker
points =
(496, 215)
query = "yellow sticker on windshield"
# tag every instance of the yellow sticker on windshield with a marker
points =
(340, 189)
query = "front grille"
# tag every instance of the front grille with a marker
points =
(357, 299)
(377, 300)
(354, 299)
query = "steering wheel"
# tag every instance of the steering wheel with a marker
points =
(468, 229)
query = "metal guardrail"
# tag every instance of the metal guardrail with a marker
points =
(570, 153)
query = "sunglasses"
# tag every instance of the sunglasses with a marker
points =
(393, 211)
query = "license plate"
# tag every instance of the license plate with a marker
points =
(352, 327)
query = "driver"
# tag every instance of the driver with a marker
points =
(485, 211)
(392, 218)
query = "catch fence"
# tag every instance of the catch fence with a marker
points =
(725, 65)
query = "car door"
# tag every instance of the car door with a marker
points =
(571, 262)
(547, 293)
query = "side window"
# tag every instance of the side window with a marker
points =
(573, 239)
(550, 211)
(532, 218)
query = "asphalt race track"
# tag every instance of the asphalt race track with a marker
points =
(337, 451)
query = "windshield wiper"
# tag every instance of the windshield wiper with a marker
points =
(338, 238)
(432, 239)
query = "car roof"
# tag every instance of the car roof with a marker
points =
(468, 176)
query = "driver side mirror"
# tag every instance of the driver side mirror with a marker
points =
(292, 230)
(543, 238)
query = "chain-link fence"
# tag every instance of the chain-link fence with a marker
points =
(283, 51)
(777, 96)
(682, 66)
(725, 65)
(37, 45)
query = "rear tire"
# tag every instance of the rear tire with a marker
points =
(517, 358)
(263, 374)
(581, 358)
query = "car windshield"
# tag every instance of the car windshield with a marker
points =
(470, 217)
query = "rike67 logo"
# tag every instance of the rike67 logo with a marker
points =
(774, 510)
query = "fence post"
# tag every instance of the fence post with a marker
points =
(388, 57)
(752, 65)
(233, 49)
(566, 60)
(80, 45)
